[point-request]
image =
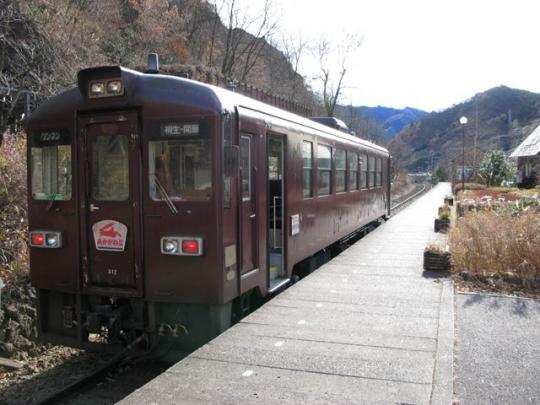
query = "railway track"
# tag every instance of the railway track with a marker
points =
(400, 202)
(110, 371)
(98, 387)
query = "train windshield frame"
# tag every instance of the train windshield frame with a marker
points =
(180, 162)
(51, 166)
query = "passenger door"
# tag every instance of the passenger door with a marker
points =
(248, 210)
(111, 196)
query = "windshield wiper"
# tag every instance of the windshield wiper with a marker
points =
(52, 197)
(163, 192)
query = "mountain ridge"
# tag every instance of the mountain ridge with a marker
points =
(498, 118)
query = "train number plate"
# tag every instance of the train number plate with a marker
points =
(295, 224)
(110, 235)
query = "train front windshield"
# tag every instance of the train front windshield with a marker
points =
(50, 166)
(180, 163)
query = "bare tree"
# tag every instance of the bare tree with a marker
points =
(294, 48)
(245, 38)
(333, 64)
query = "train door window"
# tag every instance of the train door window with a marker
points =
(324, 169)
(245, 167)
(341, 170)
(379, 172)
(50, 166)
(307, 168)
(353, 170)
(180, 163)
(110, 168)
(229, 159)
(371, 171)
(364, 172)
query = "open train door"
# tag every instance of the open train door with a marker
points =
(110, 203)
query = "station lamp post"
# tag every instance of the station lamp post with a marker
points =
(463, 121)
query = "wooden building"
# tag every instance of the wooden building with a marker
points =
(528, 160)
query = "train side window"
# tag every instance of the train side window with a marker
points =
(371, 171)
(245, 167)
(341, 170)
(363, 172)
(379, 172)
(307, 168)
(353, 171)
(324, 169)
(50, 166)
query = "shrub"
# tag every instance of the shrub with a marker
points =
(435, 248)
(444, 212)
(13, 207)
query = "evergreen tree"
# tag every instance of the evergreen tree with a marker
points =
(495, 168)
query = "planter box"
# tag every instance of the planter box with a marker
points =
(441, 225)
(437, 261)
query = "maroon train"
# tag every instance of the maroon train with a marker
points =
(158, 205)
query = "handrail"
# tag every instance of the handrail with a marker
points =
(274, 205)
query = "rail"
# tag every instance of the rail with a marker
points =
(399, 204)
(91, 378)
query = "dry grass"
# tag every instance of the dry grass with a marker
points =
(13, 207)
(496, 243)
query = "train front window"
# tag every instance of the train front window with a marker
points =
(50, 166)
(110, 168)
(180, 168)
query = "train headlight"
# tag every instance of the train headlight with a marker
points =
(51, 240)
(169, 246)
(105, 88)
(45, 239)
(97, 89)
(114, 87)
(182, 245)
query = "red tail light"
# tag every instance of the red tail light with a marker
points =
(190, 246)
(37, 239)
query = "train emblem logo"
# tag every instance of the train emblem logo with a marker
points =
(110, 235)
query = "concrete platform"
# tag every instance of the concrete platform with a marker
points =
(365, 328)
(498, 356)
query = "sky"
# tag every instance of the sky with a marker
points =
(427, 54)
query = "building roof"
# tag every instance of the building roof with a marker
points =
(530, 146)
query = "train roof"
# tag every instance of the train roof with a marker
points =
(140, 86)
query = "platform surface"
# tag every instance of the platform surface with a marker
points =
(367, 327)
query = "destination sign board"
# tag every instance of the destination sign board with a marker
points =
(179, 129)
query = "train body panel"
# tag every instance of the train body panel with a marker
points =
(169, 198)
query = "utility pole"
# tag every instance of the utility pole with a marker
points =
(463, 121)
